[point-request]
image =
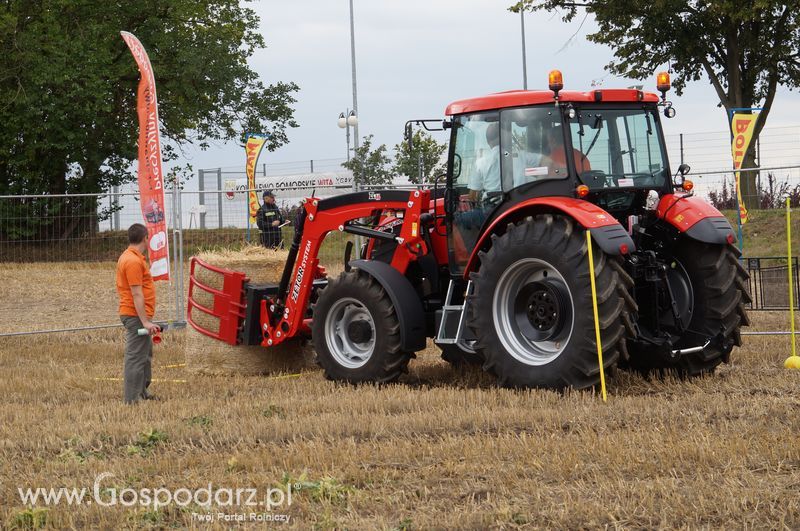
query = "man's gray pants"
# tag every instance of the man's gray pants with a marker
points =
(138, 360)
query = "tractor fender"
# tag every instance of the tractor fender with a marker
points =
(696, 218)
(404, 298)
(606, 231)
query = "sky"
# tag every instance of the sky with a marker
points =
(413, 57)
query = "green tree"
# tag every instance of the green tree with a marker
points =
(68, 86)
(745, 48)
(424, 146)
(370, 167)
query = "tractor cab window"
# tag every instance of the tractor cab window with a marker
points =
(532, 146)
(623, 147)
(475, 180)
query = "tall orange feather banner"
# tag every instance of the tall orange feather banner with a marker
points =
(151, 177)
(742, 127)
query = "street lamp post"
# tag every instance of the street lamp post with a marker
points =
(347, 120)
(353, 67)
(524, 59)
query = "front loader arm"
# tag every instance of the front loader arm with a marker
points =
(284, 316)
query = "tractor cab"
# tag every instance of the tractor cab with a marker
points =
(603, 146)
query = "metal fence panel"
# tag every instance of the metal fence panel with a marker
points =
(769, 283)
(58, 256)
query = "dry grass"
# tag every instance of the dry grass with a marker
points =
(441, 449)
(46, 296)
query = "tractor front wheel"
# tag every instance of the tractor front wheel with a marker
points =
(356, 332)
(536, 327)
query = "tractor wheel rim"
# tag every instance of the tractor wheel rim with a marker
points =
(533, 311)
(350, 333)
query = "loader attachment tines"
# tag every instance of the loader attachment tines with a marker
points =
(221, 317)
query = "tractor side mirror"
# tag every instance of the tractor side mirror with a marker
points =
(408, 136)
(683, 169)
(456, 166)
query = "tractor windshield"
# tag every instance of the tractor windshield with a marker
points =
(619, 148)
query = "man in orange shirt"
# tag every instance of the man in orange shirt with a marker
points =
(137, 305)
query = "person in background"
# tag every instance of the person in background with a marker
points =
(137, 305)
(269, 220)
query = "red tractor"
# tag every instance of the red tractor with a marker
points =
(492, 262)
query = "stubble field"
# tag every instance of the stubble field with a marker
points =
(441, 449)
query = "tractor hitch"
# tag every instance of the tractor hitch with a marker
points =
(690, 350)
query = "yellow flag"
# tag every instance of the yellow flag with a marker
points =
(742, 126)
(253, 147)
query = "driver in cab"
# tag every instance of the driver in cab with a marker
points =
(556, 154)
(486, 178)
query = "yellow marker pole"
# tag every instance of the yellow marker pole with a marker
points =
(175, 366)
(596, 318)
(155, 380)
(286, 376)
(792, 362)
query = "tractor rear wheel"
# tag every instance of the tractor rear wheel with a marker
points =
(718, 284)
(536, 327)
(356, 332)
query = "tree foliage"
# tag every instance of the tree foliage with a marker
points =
(369, 166)
(68, 84)
(407, 161)
(746, 48)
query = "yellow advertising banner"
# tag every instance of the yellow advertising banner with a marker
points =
(742, 127)
(253, 147)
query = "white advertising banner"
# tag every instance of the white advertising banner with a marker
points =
(331, 183)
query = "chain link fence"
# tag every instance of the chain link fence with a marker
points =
(59, 252)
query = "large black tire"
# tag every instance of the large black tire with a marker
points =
(509, 344)
(365, 347)
(456, 356)
(719, 287)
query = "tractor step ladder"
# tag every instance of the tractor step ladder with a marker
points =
(449, 311)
